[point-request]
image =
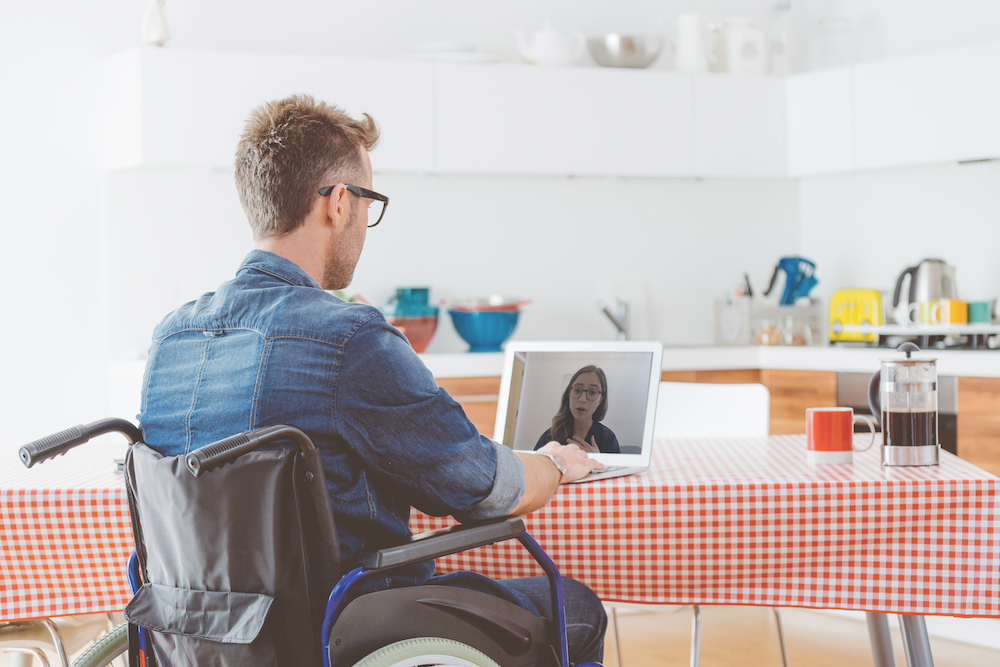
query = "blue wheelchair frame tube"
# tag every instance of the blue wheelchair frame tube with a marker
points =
(134, 581)
(337, 601)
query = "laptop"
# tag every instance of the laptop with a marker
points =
(535, 389)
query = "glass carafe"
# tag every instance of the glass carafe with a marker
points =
(903, 397)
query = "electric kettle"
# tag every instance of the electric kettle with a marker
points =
(903, 397)
(799, 279)
(929, 280)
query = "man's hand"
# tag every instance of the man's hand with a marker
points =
(541, 479)
(589, 447)
(578, 464)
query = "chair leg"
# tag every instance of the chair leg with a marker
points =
(618, 639)
(22, 657)
(696, 636)
(781, 637)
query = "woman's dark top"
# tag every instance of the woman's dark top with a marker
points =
(606, 440)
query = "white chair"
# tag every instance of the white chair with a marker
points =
(701, 410)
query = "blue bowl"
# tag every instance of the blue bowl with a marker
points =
(484, 330)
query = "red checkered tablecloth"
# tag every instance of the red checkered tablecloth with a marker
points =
(728, 521)
(747, 521)
(65, 534)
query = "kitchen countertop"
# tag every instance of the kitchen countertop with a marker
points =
(972, 363)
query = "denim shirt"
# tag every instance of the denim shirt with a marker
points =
(272, 347)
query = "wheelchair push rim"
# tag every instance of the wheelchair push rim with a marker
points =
(105, 649)
(427, 651)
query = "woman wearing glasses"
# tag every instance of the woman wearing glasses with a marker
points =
(583, 406)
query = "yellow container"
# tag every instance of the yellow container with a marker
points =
(855, 307)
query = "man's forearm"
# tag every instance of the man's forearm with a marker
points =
(541, 479)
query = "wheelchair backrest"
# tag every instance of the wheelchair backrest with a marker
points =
(236, 564)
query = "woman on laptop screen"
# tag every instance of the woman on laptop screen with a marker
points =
(583, 406)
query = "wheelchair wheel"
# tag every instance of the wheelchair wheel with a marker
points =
(105, 649)
(427, 651)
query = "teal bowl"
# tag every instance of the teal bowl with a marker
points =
(485, 330)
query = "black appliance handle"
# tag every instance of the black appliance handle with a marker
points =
(874, 400)
(911, 271)
(774, 278)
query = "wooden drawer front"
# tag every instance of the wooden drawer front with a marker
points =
(478, 397)
(979, 422)
(739, 376)
(794, 391)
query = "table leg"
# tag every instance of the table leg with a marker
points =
(915, 641)
(878, 631)
(696, 637)
(618, 639)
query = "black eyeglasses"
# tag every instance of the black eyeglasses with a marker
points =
(381, 201)
(577, 392)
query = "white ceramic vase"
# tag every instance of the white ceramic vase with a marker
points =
(154, 25)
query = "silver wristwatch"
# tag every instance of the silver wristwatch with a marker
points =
(557, 462)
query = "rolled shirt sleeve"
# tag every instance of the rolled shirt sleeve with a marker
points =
(508, 488)
(414, 439)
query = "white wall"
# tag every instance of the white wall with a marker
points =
(670, 246)
(53, 340)
(864, 229)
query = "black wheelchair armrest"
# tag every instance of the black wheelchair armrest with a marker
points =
(436, 543)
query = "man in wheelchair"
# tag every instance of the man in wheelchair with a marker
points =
(272, 346)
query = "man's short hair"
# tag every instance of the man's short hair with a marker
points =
(290, 149)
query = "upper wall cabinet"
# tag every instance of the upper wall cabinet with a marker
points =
(739, 126)
(935, 107)
(167, 107)
(821, 122)
(516, 119)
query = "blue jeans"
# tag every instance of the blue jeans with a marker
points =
(586, 621)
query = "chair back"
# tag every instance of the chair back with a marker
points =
(237, 563)
(705, 410)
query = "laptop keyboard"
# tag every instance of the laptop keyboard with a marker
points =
(606, 469)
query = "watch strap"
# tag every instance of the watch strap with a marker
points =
(557, 462)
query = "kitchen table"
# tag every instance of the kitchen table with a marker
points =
(745, 521)
(713, 521)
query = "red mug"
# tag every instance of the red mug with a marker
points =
(830, 435)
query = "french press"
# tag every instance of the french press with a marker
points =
(903, 398)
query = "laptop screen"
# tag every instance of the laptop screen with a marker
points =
(600, 393)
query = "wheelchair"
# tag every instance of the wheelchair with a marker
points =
(236, 562)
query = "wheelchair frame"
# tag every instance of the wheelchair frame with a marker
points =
(418, 548)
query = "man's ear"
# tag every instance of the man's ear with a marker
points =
(338, 205)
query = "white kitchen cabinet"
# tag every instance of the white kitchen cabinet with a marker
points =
(929, 108)
(821, 122)
(165, 107)
(519, 119)
(739, 126)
